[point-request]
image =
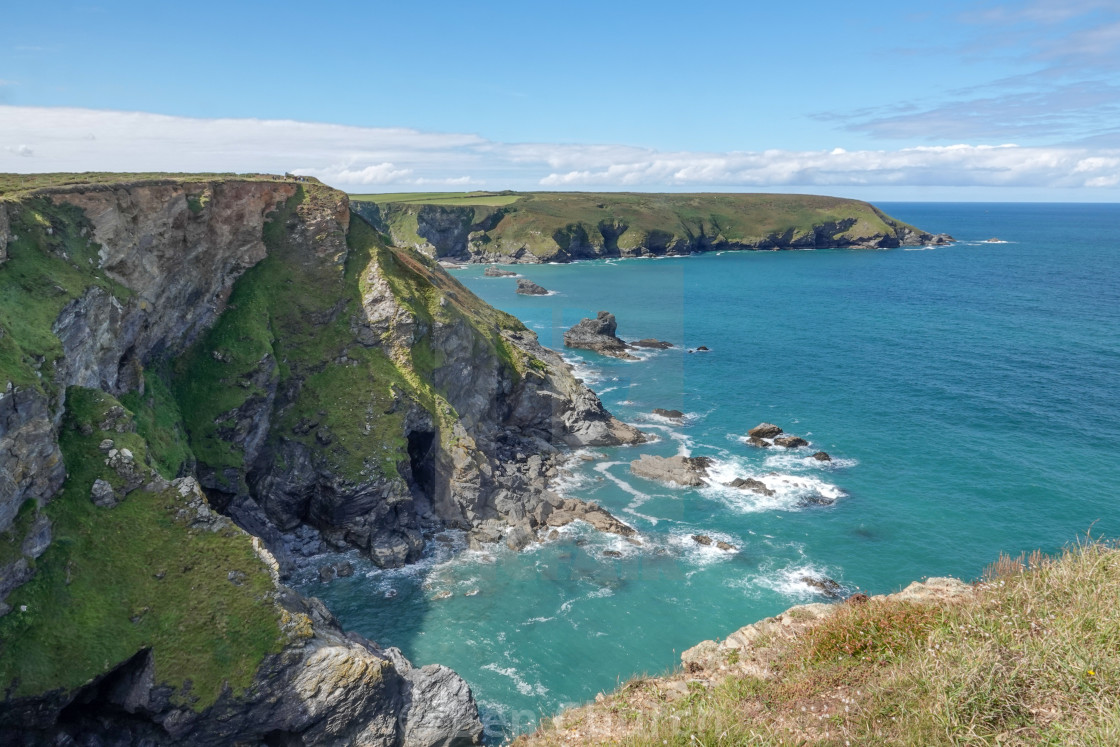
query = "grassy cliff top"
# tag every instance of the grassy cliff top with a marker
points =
(1031, 656)
(14, 185)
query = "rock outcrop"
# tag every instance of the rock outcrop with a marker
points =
(493, 271)
(675, 470)
(650, 342)
(529, 288)
(598, 335)
(670, 414)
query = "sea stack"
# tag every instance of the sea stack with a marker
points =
(598, 334)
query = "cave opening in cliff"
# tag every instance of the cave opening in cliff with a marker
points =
(422, 460)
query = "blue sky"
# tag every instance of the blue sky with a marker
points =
(978, 100)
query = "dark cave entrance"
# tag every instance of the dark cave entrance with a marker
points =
(422, 460)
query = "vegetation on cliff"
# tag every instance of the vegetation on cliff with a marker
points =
(138, 575)
(1030, 656)
(560, 226)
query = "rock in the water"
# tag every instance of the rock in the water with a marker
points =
(758, 443)
(702, 539)
(749, 483)
(824, 585)
(598, 334)
(344, 569)
(678, 470)
(612, 554)
(822, 456)
(702, 349)
(649, 342)
(102, 494)
(571, 509)
(791, 442)
(764, 430)
(726, 546)
(326, 574)
(529, 288)
(493, 272)
(672, 414)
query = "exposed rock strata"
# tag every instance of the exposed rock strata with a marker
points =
(598, 335)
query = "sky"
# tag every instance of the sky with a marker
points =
(982, 100)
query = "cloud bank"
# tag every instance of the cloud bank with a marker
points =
(387, 159)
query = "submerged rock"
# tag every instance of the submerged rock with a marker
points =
(529, 288)
(824, 585)
(749, 483)
(678, 470)
(650, 342)
(790, 442)
(598, 335)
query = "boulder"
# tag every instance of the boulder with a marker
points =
(650, 342)
(749, 483)
(764, 430)
(725, 546)
(677, 470)
(790, 442)
(598, 335)
(102, 494)
(529, 288)
(612, 554)
(702, 539)
(671, 414)
(758, 443)
(493, 272)
(822, 456)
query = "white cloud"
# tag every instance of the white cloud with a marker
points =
(358, 158)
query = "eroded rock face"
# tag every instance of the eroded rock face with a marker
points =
(5, 233)
(598, 335)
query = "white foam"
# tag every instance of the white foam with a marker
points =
(639, 497)
(682, 543)
(522, 686)
(791, 491)
(786, 581)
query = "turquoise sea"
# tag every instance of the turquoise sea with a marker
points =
(968, 394)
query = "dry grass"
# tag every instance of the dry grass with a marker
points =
(1031, 657)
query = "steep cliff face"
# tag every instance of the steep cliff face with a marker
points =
(170, 347)
(561, 227)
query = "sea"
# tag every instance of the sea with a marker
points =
(968, 395)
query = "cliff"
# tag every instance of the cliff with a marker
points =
(242, 345)
(566, 226)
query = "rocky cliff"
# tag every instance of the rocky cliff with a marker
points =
(244, 345)
(561, 227)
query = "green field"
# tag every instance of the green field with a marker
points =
(485, 199)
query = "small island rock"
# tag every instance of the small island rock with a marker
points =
(671, 414)
(529, 288)
(764, 430)
(822, 456)
(493, 272)
(791, 442)
(749, 483)
(598, 334)
(678, 470)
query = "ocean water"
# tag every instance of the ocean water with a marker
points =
(967, 394)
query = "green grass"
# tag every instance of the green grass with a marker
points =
(49, 265)
(117, 581)
(1032, 658)
(471, 199)
(16, 185)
